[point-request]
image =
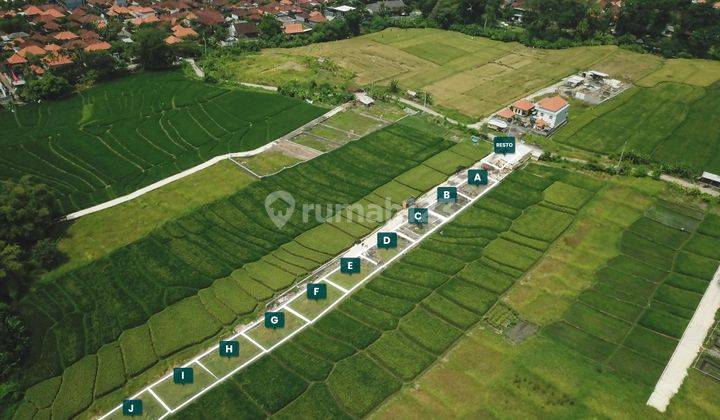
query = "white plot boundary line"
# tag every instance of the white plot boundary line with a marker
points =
(688, 347)
(368, 240)
(206, 369)
(340, 288)
(167, 407)
(144, 190)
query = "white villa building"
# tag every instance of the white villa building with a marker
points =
(551, 112)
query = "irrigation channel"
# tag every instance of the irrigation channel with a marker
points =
(165, 397)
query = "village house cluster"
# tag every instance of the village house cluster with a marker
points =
(543, 116)
(52, 34)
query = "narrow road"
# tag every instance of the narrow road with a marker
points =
(200, 167)
(198, 71)
(688, 347)
(264, 87)
(425, 109)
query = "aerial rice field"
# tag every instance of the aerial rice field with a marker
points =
(556, 374)
(667, 122)
(632, 317)
(128, 314)
(665, 116)
(117, 137)
(466, 76)
(403, 320)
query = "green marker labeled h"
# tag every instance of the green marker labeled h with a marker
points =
(229, 348)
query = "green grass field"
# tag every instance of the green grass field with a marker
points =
(135, 309)
(120, 136)
(403, 320)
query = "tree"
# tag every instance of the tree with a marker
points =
(646, 18)
(269, 27)
(27, 212)
(12, 269)
(49, 87)
(27, 216)
(152, 51)
(354, 19)
(102, 62)
(13, 340)
(446, 13)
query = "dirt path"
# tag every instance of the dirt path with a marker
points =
(688, 347)
(198, 71)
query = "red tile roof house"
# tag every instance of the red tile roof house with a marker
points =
(552, 111)
(294, 29)
(523, 107)
(506, 114)
(316, 17)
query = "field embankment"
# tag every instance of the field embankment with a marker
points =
(124, 317)
(402, 321)
(120, 136)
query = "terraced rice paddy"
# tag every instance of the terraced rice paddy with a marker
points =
(125, 316)
(120, 136)
(404, 319)
(632, 317)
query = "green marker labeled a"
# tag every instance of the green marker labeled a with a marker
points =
(477, 177)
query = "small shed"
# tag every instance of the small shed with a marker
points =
(364, 99)
(710, 179)
(497, 124)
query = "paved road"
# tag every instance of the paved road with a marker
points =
(688, 347)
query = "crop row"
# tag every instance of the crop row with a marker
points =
(643, 299)
(201, 273)
(119, 137)
(392, 329)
